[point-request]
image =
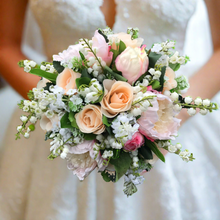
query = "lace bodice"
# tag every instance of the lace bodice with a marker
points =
(63, 22)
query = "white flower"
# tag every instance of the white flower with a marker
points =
(181, 60)
(38, 111)
(91, 97)
(135, 159)
(177, 107)
(25, 109)
(26, 135)
(136, 89)
(156, 48)
(191, 111)
(90, 69)
(26, 102)
(33, 104)
(136, 111)
(203, 111)
(91, 61)
(95, 73)
(157, 74)
(32, 63)
(23, 118)
(49, 114)
(33, 119)
(178, 146)
(42, 67)
(145, 82)
(27, 69)
(63, 155)
(184, 155)
(174, 58)
(134, 153)
(170, 44)
(188, 100)
(172, 148)
(174, 96)
(100, 137)
(206, 102)
(198, 101)
(167, 93)
(71, 91)
(19, 128)
(107, 153)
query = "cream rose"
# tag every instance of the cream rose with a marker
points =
(66, 79)
(46, 123)
(132, 62)
(171, 82)
(117, 98)
(126, 38)
(89, 119)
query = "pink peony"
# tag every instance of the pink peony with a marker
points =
(132, 62)
(98, 41)
(66, 55)
(80, 160)
(136, 142)
(158, 122)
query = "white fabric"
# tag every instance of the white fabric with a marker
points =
(175, 190)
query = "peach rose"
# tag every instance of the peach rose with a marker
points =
(46, 123)
(67, 79)
(171, 82)
(117, 98)
(126, 38)
(132, 62)
(89, 119)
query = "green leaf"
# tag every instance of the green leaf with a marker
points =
(73, 120)
(121, 164)
(140, 79)
(82, 55)
(105, 121)
(105, 176)
(115, 53)
(122, 46)
(47, 135)
(153, 58)
(154, 148)
(85, 73)
(82, 80)
(89, 137)
(65, 122)
(50, 76)
(156, 84)
(175, 66)
(115, 75)
(146, 152)
(31, 127)
(163, 71)
(72, 106)
(57, 66)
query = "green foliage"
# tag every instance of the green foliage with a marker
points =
(21, 104)
(21, 63)
(116, 153)
(50, 76)
(72, 107)
(163, 71)
(175, 66)
(122, 46)
(107, 176)
(57, 66)
(153, 58)
(47, 135)
(116, 76)
(85, 73)
(65, 122)
(154, 148)
(156, 84)
(105, 121)
(73, 120)
(30, 95)
(121, 164)
(32, 127)
(82, 81)
(145, 151)
(89, 137)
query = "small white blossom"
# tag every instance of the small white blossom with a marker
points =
(188, 99)
(198, 101)
(107, 153)
(203, 111)
(206, 102)
(32, 63)
(33, 104)
(33, 119)
(156, 48)
(181, 60)
(23, 118)
(174, 59)
(91, 97)
(135, 159)
(191, 111)
(136, 111)
(19, 128)
(27, 69)
(26, 135)
(26, 102)
(49, 114)
(177, 107)
(174, 96)
(38, 111)
(178, 146)
(25, 109)
(167, 93)
(172, 148)
(42, 67)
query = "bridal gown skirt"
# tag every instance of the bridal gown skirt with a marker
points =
(33, 187)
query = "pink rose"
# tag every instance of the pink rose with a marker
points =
(103, 48)
(80, 160)
(132, 62)
(66, 55)
(158, 122)
(67, 79)
(136, 142)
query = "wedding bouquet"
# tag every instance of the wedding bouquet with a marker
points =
(110, 103)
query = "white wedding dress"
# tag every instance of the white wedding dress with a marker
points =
(34, 188)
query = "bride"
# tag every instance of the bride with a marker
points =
(32, 187)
